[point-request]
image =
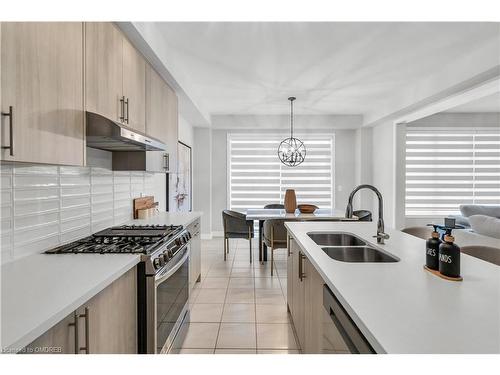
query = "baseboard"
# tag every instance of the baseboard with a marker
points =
(206, 236)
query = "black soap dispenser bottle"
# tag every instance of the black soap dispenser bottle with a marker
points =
(449, 257)
(432, 250)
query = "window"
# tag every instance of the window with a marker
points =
(257, 177)
(447, 168)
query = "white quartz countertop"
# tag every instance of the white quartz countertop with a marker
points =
(400, 307)
(40, 290)
(169, 218)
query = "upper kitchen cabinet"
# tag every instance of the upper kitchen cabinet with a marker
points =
(104, 70)
(115, 81)
(162, 113)
(134, 86)
(42, 92)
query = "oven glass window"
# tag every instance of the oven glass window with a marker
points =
(171, 295)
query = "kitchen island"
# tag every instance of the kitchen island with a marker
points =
(401, 308)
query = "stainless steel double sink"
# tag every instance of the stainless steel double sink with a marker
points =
(346, 247)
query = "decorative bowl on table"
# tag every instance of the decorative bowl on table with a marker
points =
(307, 208)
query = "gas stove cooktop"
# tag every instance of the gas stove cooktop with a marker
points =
(135, 239)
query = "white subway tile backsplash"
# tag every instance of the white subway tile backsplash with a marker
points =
(74, 212)
(75, 201)
(35, 169)
(35, 206)
(34, 233)
(36, 180)
(43, 206)
(28, 221)
(24, 194)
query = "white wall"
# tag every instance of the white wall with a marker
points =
(202, 177)
(383, 169)
(185, 131)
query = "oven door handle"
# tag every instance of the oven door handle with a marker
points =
(171, 271)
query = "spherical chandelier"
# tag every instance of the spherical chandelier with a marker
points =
(291, 151)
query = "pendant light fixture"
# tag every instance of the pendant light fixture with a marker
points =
(291, 151)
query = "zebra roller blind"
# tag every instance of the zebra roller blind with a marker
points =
(446, 168)
(257, 177)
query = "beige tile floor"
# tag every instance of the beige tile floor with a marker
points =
(238, 308)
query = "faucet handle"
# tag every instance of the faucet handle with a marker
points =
(381, 236)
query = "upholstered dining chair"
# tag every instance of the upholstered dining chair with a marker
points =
(236, 226)
(276, 206)
(486, 253)
(274, 237)
(420, 232)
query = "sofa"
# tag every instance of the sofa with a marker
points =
(468, 210)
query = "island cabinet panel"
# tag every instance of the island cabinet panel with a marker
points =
(104, 70)
(195, 257)
(42, 92)
(313, 315)
(134, 87)
(107, 323)
(297, 280)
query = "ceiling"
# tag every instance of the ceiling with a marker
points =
(489, 103)
(332, 68)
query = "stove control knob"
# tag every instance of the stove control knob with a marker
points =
(165, 256)
(156, 263)
(161, 260)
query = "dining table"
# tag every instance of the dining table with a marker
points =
(263, 214)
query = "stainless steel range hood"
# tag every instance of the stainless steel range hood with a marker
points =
(105, 134)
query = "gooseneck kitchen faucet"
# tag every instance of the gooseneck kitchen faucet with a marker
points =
(381, 236)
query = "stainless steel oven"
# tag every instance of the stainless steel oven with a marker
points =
(163, 301)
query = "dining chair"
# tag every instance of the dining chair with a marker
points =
(274, 237)
(236, 226)
(486, 253)
(276, 206)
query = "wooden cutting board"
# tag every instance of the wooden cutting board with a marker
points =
(142, 203)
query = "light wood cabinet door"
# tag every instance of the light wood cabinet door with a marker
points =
(313, 315)
(157, 111)
(113, 317)
(104, 69)
(42, 79)
(60, 339)
(134, 86)
(172, 129)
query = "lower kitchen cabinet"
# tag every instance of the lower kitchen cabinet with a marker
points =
(195, 257)
(305, 303)
(107, 323)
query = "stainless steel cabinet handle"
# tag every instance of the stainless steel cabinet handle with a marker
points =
(122, 109)
(87, 322)
(126, 118)
(301, 266)
(10, 115)
(75, 324)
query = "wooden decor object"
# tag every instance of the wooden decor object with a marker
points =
(307, 208)
(437, 273)
(143, 203)
(290, 201)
